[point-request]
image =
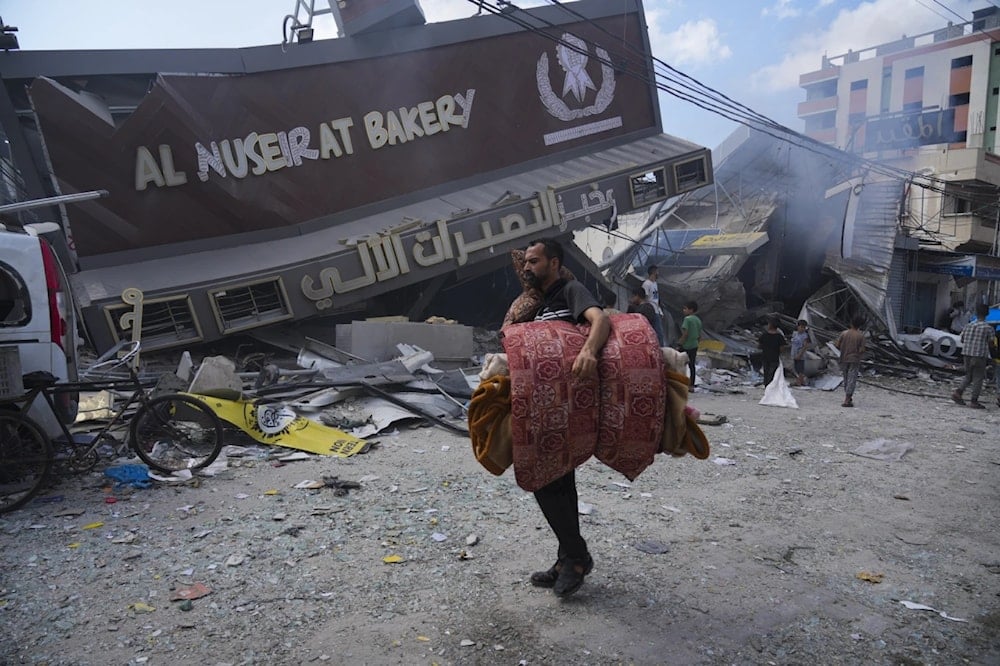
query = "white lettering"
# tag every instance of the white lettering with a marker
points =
(146, 169)
(377, 135)
(446, 112)
(209, 159)
(171, 176)
(250, 146)
(328, 142)
(343, 125)
(428, 119)
(298, 140)
(236, 163)
(408, 118)
(286, 152)
(270, 151)
(395, 129)
(466, 104)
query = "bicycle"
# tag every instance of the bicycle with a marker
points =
(168, 432)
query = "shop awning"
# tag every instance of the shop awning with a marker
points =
(976, 266)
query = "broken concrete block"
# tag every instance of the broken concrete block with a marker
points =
(451, 345)
(185, 366)
(216, 372)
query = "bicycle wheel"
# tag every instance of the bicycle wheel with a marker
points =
(25, 460)
(175, 432)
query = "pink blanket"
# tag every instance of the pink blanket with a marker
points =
(559, 421)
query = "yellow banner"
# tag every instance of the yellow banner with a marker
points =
(744, 243)
(277, 424)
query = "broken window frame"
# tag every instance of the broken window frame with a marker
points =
(645, 190)
(687, 183)
(156, 340)
(257, 318)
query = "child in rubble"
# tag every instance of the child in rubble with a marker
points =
(800, 343)
(770, 342)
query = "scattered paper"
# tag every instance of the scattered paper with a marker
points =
(177, 477)
(193, 591)
(297, 455)
(915, 606)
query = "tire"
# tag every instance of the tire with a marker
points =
(175, 432)
(25, 460)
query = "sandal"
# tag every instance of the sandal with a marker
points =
(549, 577)
(571, 576)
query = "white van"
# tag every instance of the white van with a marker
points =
(37, 318)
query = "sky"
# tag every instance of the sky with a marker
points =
(753, 51)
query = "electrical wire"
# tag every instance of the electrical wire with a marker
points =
(684, 87)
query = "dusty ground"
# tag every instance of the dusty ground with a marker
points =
(763, 563)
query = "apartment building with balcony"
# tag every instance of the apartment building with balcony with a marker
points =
(926, 104)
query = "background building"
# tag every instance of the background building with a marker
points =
(926, 104)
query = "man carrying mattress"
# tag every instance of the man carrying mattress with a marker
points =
(565, 301)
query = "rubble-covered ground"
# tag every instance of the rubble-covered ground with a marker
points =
(783, 548)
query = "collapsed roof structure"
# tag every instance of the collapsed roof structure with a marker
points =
(388, 171)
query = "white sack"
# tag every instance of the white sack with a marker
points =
(777, 393)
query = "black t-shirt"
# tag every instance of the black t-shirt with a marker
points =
(646, 310)
(770, 344)
(566, 300)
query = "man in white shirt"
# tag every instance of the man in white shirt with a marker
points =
(652, 289)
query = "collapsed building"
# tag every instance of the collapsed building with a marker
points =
(887, 207)
(389, 171)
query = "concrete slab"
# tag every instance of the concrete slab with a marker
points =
(451, 344)
(216, 372)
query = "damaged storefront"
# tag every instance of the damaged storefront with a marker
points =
(250, 191)
(797, 232)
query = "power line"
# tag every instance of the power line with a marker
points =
(702, 95)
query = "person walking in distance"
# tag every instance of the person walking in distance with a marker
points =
(851, 344)
(652, 289)
(976, 338)
(565, 301)
(690, 335)
(800, 343)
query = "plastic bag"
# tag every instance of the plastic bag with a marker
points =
(136, 476)
(777, 393)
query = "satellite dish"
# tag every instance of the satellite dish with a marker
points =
(607, 254)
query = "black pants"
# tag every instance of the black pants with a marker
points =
(692, 354)
(770, 367)
(558, 501)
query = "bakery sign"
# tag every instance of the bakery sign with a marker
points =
(259, 153)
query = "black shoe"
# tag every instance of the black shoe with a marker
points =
(957, 398)
(548, 577)
(571, 576)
